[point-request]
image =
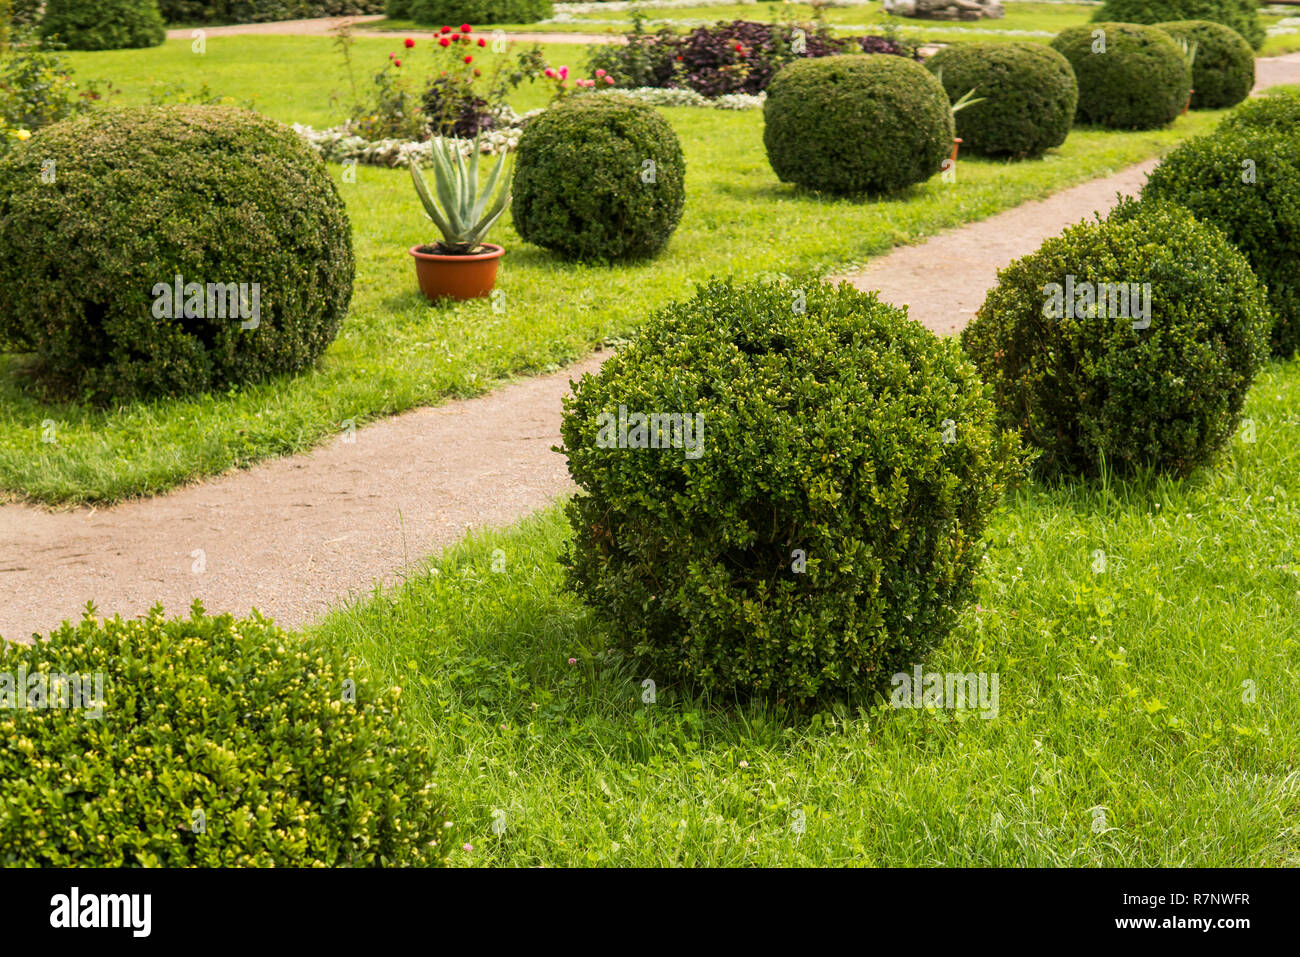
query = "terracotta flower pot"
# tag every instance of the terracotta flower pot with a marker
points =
(457, 277)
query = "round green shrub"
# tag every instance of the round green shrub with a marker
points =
(1095, 385)
(1027, 94)
(218, 196)
(853, 124)
(1277, 110)
(1247, 183)
(104, 24)
(476, 12)
(1224, 70)
(599, 177)
(813, 521)
(1241, 15)
(1139, 81)
(206, 742)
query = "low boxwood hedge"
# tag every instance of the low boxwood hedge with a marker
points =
(1026, 96)
(853, 124)
(1125, 344)
(206, 742)
(103, 24)
(1130, 76)
(1223, 72)
(812, 521)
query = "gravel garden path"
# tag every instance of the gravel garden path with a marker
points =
(294, 536)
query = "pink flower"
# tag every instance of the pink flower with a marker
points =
(564, 73)
(409, 43)
(609, 79)
(573, 661)
(467, 848)
(549, 73)
(599, 74)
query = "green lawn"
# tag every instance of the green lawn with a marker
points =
(1128, 691)
(1023, 21)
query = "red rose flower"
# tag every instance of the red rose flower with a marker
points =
(445, 30)
(444, 42)
(469, 59)
(397, 63)
(465, 28)
(454, 37)
(482, 42)
(409, 43)
(739, 48)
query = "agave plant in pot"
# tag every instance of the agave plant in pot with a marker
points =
(460, 265)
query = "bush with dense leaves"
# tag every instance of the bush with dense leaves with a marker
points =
(1027, 96)
(262, 11)
(37, 89)
(286, 755)
(1277, 110)
(819, 528)
(742, 56)
(1223, 72)
(599, 177)
(212, 194)
(103, 24)
(1240, 15)
(455, 12)
(1096, 380)
(1247, 183)
(1139, 81)
(852, 124)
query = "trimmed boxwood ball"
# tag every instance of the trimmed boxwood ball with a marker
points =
(474, 12)
(140, 196)
(1240, 15)
(103, 24)
(1247, 183)
(599, 177)
(1140, 81)
(1277, 110)
(817, 528)
(1028, 93)
(1224, 70)
(854, 124)
(1094, 387)
(291, 756)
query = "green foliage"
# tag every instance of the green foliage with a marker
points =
(1139, 81)
(1277, 110)
(217, 743)
(599, 177)
(1247, 183)
(1028, 96)
(1224, 70)
(37, 89)
(853, 124)
(142, 195)
(822, 529)
(476, 12)
(1097, 387)
(103, 24)
(1241, 15)
(262, 11)
(462, 212)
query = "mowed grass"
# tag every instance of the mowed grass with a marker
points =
(1023, 21)
(397, 351)
(1144, 636)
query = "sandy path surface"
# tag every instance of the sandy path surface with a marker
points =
(294, 536)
